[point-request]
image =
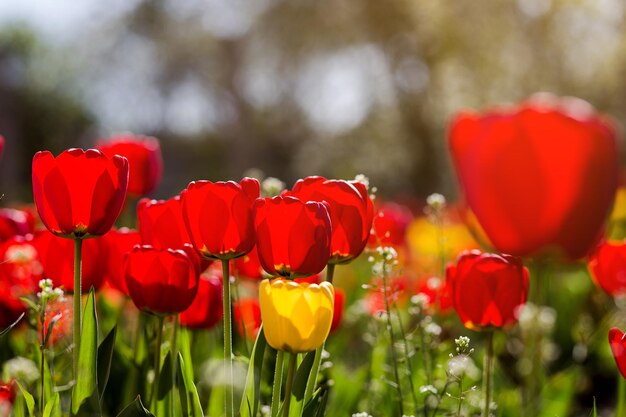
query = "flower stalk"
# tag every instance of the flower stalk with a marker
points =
(78, 252)
(488, 373)
(228, 340)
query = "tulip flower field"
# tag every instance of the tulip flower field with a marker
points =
(322, 298)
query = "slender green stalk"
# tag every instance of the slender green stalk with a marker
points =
(458, 410)
(291, 373)
(157, 362)
(393, 341)
(408, 361)
(42, 399)
(278, 380)
(228, 341)
(315, 368)
(488, 373)
(620, 410)
(78, 253)
(174, 358)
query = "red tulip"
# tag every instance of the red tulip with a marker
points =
(160, 281)
(351, 213)
(119, 242)
(14, 223)
(218, 217)
(618, 347)
(8, 392)
(249, 266)
(607, 266)
(539, 178)
(487, 289)
(61, 310)
(56, 256)
(145, 162)
(390, 224)
(1, 145)
(79, 193)
(206, 309)
(11, 307)
(161, 223)
(340, 299)
(293, 237)
(20, 265)
(247, 316)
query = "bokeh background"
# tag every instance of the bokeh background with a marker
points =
(293, 88)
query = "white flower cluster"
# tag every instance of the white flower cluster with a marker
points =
(463, 345)
(361, 415)
(388, 258)
(271, 187)
(21, 369)
(48, 292)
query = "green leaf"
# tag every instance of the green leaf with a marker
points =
(15, 323)
(559, 392)
(105, 357)
(135, 409)
(189, 399)
(50, 327)
(594, 412)
(53, 408)
(299, 384)
(165, 378)
(86, 378)
(252, 391)
(28, 398)
(48, 384)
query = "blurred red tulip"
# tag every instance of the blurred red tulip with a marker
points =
(218, 217)
(618, 347)
(340, 300)
(249, 266)
(160, 281)
(1, 145)
(293, 237)
(161, 223)
(118, 243)
(79, 193)
(56, 256)
(539, 178)
(10, 305)
(14, 223)
(20, 265)
(206, 309)
(390, 225)
(145, 163)
(60, 309)
(8, 392)
(438, 292)
(396, 293)
(487, 289)
(247, 316)
(351, 213)
(313, 279)
(607, 266)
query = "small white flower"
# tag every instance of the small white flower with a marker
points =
(428, 389)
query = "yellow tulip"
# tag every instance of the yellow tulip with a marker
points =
(296, 317)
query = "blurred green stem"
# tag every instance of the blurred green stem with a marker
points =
(312, 380)
(278, 380)
(488, 372)
(393, 340)
(174, 358)
(291, 373)
(157, 363)
(620, 410)
(78, 252)
(228, 340)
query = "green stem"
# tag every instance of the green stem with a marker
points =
(312, 380)
(291, 373)
(78, 246)
(407, 358)
(174, 358)
(393, 341)
(488, 373)
(458, 410)
(42, 399)
(278, 380)
(228, 341)
(620, 410)
(157, 362)
(330, 272)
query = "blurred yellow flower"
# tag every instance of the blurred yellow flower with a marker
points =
(296, 316)
(428, 243)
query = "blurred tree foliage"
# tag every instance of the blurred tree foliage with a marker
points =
(334, 88)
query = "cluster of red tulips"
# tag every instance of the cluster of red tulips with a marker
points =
(538, 181)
